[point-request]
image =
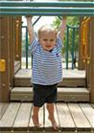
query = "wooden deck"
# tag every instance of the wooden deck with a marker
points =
(71, 117)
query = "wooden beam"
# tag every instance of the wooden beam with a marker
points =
(4, 54)
(81, 65)
(92, 61)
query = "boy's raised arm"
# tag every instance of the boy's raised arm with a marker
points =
(63, 27)
(30, 29)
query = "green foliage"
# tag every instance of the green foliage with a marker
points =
(71, 21)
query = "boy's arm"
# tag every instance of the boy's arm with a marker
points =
(63, 27)
(30, 28)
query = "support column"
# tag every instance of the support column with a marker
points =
(4, 55)
(17, 30)
(81, 65)
(92, 61)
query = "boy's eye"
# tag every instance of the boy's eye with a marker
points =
(51, 40)
(45, 40)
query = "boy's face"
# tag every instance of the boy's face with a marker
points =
(47, 40)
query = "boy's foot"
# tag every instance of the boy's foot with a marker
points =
(36, 122)
(54, 124)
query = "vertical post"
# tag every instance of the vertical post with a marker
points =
(4, 54)
(81, 65)
(11, 53)
(73, 39)
(17, 30)
(17, 38)
(26, 48)
(92, 60)
(67, 46)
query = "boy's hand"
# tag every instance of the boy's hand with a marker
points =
(64, 17)
(28, 17)
(63, 26)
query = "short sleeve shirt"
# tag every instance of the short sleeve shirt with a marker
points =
(47, 65)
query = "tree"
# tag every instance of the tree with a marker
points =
(71, 21)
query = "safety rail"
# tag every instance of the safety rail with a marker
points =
(47, 4)
(46, 8)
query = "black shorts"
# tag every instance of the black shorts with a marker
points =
(44, 94)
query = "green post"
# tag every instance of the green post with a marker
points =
(72, 50)
(26, 48)
(67, 45)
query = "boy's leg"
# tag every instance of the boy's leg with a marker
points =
(50, 108)
(38, 101)
(35, 116)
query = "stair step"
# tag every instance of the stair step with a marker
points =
(71, 78)
(64, 94)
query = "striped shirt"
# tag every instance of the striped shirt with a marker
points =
(47, 66)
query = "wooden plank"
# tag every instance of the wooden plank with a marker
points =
(72, 94)
(64, 94)
(45, 132)
(65, 119)
(28, 131)
(79, 118)
(3, 108)
(23, 116)
(9, 116)
(23, 73)
(5, 131)
(22, 90)
(89, 113)
(41, 121)
(73, 82)
(48, 125)
(70, 78)
(22, 97)
(17, 66)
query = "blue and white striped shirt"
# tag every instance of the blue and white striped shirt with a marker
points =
(47, 66)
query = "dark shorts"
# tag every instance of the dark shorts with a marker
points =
(44, 94)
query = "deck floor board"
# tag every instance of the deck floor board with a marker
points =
(69, 116)
(3, 107)
(79, 117)
(22, 118)
(64, 115)
(9, 116)
(89, 113)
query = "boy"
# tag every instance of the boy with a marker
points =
(47, 67)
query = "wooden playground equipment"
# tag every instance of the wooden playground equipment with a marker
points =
(15, 82)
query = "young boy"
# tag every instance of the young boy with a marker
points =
(47, 67)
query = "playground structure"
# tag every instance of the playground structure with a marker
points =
(10, 54)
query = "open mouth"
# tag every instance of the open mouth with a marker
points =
(48, 46)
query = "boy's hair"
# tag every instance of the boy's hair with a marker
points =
(46, 28)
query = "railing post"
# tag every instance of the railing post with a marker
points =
(72, 50)
(26, 48)
(67, 46)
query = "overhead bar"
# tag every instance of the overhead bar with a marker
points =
(47, 8)
(47, 4)
(36, 9)
(48, 13)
